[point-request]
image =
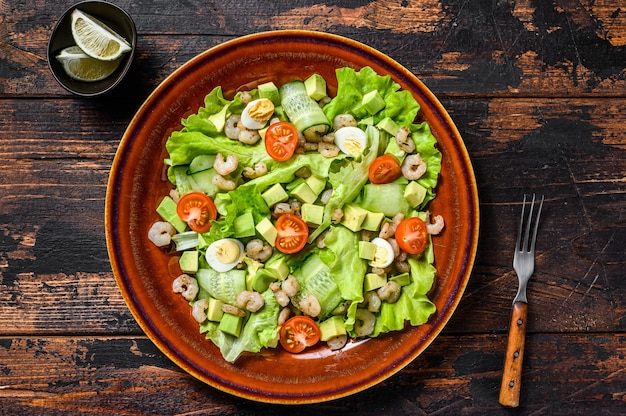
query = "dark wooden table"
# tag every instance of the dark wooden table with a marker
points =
(538, 91)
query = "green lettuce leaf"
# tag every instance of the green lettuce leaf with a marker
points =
(259, 331)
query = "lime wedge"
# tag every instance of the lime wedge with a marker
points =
(97, 39)
(83, 67)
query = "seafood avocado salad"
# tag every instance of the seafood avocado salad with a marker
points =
(296, 218)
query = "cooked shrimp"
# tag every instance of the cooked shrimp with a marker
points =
(232, 310)
(366, 235)
(225, 184)
(329, 138)
(343, 120)
(325, 196)
(246, 97)
(161, 233)
(224, 167)
(436, 227)
(231, 128)
(337, 216)
(364, 322)
(174, 195)
(248, 136)
(303, 172)
(310, 146)
(290, 285)
(394, 245)
(342, 309)
(283, 208)
(309, 305)
(250, 300)
(281, 298)
(283, 315)
(388, 229)
(404, 140)
(413, 167)
(328, 149)
(314, 134)
(186, 286)
(259, 170)
(402, 266)
(199, 310)
(256, 250)
(372, 301)
(337, 342)
(390, 292)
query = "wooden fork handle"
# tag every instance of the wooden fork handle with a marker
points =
(512, 375)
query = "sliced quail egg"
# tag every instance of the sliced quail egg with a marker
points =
(257, 113)
(223, 255)
(351, 140)
(384, 255)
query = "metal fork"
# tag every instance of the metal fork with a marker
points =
(524, 266)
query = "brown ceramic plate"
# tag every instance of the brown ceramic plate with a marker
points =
(136, 186)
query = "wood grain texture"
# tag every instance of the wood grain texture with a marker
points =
(122, 375)
(538, 92)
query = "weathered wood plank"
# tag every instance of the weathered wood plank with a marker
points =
(532, 48)
(108, 375)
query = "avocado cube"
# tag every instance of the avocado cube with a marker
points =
(312, 214)
(373, 102)
(270, 91)
(315, 87)
(231, 324)
(274, 195)
(414, 193)
(219, 119)
(262, 279)
(402, 279)
(214, 312)
(167, 211)
(293, 184)
(367, 121)
(332, 327)
(244, 225)
(372, 221)
(304, 193)
(267, 230)
(278, 267)
(374, 281)
(353, 217)
(188, 261)
(367, 250)
(316, 184)
(388, 125)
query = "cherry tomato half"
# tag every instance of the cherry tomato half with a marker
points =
(281, 140)
(292, 233)
(411, 235)
(384, 169)
(298, 333)
(198, 210)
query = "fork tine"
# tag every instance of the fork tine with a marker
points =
(528, 222)
(532, 243)
(518, 243)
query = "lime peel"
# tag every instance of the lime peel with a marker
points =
(82, 67)
(96, 39)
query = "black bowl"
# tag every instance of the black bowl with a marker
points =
(111, 15)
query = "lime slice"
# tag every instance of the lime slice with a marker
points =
(83, 67)
(97, 39)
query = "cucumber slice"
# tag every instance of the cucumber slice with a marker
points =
(301, 109)
(222, 286)
(315, 279)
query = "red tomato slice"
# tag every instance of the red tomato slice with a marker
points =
(411, 235)
(298, 333)
(292, 233)
(281, 140)
(384, 169)
(198, 210)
